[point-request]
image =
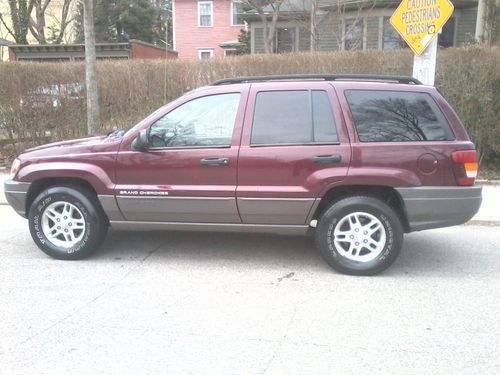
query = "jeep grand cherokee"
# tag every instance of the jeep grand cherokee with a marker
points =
(354, 160)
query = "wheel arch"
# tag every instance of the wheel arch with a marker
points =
(42, 184)
(386, 194)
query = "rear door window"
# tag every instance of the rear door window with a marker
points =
(397, 116)
(293, 117)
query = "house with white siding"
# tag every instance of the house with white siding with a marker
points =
(356, 25)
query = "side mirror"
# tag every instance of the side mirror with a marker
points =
(141, 143)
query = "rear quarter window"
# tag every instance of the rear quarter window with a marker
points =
(397, 116)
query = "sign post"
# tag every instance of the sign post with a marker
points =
(424, 65)
(418, 23)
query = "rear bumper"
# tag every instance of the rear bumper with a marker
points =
(436, 207)
(16, 194)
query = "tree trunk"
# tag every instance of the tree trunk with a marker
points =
(268, 44)
(90, 68)
(20, 16)
(269, 29)
(40, 25)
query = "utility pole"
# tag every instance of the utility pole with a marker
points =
(90, 68)
(313, 26)
(167, 18)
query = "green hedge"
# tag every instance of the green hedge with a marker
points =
(468, 77)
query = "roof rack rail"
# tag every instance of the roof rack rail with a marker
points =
(324, 77)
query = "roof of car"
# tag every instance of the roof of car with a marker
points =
(320, 77)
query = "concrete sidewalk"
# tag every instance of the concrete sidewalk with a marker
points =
(489, 213)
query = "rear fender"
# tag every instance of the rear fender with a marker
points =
(375, 176)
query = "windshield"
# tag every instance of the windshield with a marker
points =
(121, 132)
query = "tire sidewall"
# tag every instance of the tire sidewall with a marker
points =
(384, 213)
(64, 194)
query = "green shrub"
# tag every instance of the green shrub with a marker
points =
(468, 77)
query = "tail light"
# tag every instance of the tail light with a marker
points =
(465, 167)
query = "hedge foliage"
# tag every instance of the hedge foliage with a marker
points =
(45, 101)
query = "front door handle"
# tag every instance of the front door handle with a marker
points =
(326, 159)
(214, 162)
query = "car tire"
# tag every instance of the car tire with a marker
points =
(67, 222)
(359, 235)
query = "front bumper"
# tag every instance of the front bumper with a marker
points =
(16, 194)
(437, 207)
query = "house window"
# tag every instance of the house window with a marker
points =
(353, 34)
(391, 40)
(204, 54)
(445, 39)
(237, 10)
(232, 52)
(205, 13)
(285, 39)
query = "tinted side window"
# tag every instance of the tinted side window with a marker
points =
(202, 122)
(293, 117)
(324, 124)
(394, 116)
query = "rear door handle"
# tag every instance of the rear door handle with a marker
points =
(325, 159)
(214, 162)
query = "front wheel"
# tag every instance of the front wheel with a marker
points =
(67, 222)
(359, 235)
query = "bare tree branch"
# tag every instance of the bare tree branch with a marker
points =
(45, 5)
(7, 26)
(269, 24)
(19, 17)
(39, 23)
(64, 20)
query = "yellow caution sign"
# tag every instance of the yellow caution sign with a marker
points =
(418, 21)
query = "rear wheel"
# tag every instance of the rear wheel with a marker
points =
(67, 222)
(359, 235)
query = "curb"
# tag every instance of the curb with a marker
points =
(484, 223)
(488, 182)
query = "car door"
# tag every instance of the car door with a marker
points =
(188, 174)
(294, 146)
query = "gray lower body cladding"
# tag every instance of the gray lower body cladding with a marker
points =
(425, 207)
(264, 215)
(228, 210)
(437, 207)
(16, 194)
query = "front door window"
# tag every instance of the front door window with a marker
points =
(202, 122)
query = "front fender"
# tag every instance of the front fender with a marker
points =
(93, 174)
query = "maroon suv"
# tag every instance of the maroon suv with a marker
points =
(355, 160)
